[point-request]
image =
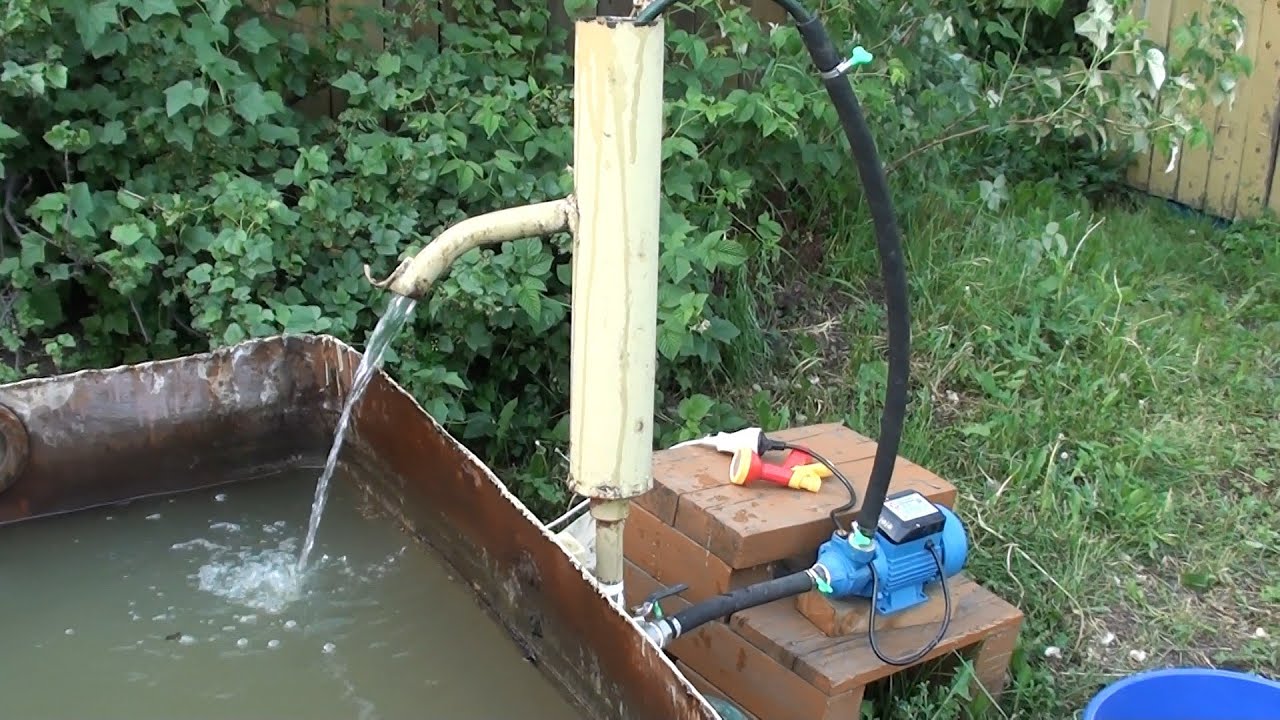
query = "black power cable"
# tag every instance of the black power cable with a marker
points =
(835, 471)
(915, 657)
(875, 188)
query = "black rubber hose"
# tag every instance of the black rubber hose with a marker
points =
(875, 187)
(657, 7)
(892, 268)
(722, 606)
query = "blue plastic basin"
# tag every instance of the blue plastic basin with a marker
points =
(1187, 694)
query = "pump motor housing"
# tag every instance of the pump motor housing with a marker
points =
(911, 529)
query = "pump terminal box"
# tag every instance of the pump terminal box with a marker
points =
(909, 516)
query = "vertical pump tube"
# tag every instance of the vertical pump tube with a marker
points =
(617, 152)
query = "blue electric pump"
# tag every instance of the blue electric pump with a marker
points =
(917, 544)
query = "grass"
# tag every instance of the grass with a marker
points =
(1101, 386)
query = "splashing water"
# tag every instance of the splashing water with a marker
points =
(396, 315)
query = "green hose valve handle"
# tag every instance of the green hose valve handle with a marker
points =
(859, 56)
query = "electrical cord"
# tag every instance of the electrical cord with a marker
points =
(853, 494)
(942, 629)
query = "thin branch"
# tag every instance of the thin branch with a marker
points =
(956, 136)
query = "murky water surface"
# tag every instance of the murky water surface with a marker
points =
(189, 607)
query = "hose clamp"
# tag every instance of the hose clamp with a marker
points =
(15, 446)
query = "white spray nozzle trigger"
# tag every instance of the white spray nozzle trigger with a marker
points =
(728, 442)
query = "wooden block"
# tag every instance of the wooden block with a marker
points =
(671, 558)
(837, 618)
(991, 664)
(744, 673)
(746, 526)
(683, 470)
(848, 662)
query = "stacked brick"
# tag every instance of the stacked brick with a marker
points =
(794, 658)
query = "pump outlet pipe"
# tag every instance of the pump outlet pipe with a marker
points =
(613, 216)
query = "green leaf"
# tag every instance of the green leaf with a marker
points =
(253, 104)
(279, 134)
(217, 9)
(723, 252)
(217, 123)
(695, 407)
(200, 274)
(6, 132)
(670, 340)
(681, 145)
(352, 83)
(979, 429)
(148, 8)
(388, 64)
(112, 133)
(57, 76)
(126, 235)
(233, 334)
(181, 94)
(531, 301)
(92, 20)
(32, 251)
(253, 36)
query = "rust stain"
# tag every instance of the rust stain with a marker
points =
(14, 447)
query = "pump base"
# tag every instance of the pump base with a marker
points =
(839, 618)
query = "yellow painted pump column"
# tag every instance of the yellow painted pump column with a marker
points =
(617, 156)
(613, 215)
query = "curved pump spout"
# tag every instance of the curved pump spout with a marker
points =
(613, 215)
(415, 276)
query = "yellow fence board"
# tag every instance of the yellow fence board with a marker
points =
(1230, 138)
(1156, 13)
(1194, 165)
(1232, 178)
(1261, 171)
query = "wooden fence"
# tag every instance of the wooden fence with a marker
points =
(1236, 177)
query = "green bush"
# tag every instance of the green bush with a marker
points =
(168, 186)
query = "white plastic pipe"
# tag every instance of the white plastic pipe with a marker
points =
(617, 154)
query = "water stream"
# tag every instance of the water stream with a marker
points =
(396, 315)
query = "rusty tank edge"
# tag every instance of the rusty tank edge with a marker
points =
(78, 440)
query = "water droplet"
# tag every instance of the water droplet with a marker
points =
(153, 516)
(290, 624)
(220, 497)
(329, 648)
(242, 643)
(187, 640)
(228, 628)
(273, 644)
(70, 631)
